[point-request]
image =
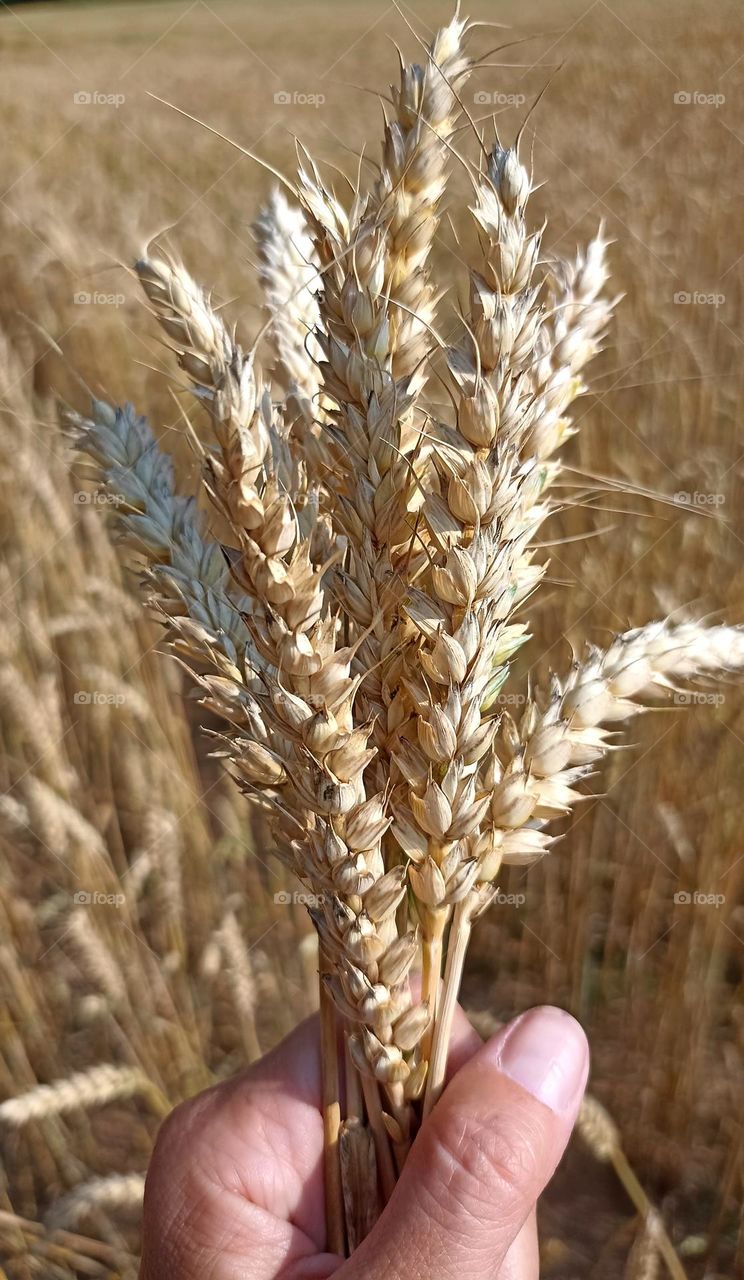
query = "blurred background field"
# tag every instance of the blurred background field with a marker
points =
(138, 920)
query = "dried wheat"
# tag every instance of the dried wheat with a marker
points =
(92, 1088)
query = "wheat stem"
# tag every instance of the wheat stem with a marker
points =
(385, 1164)
(431, 977)
(334, 1201)
(457, 946)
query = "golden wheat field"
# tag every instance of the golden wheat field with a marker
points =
(150, 944)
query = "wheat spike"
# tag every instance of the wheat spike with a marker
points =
(289, 274)
(98, 962)
(376, 306)
(597, 1128)
(111, 1192)
(644, 1258)
(242, 982)
(325, 824)
(84, 1089)
(568, 727)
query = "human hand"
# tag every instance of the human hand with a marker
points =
(235, 1186)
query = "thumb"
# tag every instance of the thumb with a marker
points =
(483, 1156)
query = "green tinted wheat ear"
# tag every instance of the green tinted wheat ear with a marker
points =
(188, 572)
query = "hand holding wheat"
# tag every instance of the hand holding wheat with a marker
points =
(235, 1185)
(357, 631)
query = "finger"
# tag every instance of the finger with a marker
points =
(483, 1156)
(465, 1041)
(522, 1261)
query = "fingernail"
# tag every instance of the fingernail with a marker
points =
(544, 1051)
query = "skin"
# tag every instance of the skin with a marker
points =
(235, 1186)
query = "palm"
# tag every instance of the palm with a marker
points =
(248, 1168)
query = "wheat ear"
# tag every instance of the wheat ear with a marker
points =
(600, 1133)
(567, 728)
(475, 571)
(188, 571)
(376, 309)
(110, 1192)
(562, 734)
(92, 1088)
(290, 279)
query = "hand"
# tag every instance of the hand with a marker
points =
(235, 1186)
